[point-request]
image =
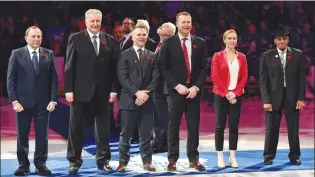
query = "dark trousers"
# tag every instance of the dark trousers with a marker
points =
(191, 107)
(273, 120)
(41, 123)
(161, 118)
(224, 108)
(79, 112)
(129, 118)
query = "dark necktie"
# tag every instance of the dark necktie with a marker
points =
(35, 60)
(185, 51)
(140, 52)
(95, 44)
(122, 42)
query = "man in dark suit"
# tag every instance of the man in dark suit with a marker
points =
(183, 63)
(32, 85)
(89, 72)
(159, 143)
(282, 86)
(137, 73)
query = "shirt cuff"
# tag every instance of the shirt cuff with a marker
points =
(113, 93)
(54, 102)
(69, 94)
(177, 86)
(196, 88)
(14, 102)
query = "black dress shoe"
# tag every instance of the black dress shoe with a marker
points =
(22, 171)
(295, 161)
(107, 168)
(73, 170)
(42, 171)
(268, 161)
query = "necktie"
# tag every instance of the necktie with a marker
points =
(283, 65)
(158, 47)
(35, 60)
(185, 51)
(122, 42)
(140, 52)
(95, 44)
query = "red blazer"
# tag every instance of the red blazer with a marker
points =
(220, 73)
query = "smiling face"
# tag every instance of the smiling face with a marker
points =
(230, 40)
(183, 24)
(93, 22)
(139, 36)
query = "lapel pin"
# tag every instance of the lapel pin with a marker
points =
(276, 56)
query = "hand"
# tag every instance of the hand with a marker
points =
(192, 92)
(112, 97)
(230, 96)
(51, 107)
(299, 105)
(142, 95)
(182, 90)
(139, 102)
(17, 107)
(233, 101)
(268, 107)
(69, 97)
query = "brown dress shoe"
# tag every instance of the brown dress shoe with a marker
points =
(121, 167)
(148, 167)
(171, 166)
(197, 166)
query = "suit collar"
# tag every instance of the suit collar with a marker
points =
(91, 34)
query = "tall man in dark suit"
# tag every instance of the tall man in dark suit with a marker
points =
(90, 67)
(32, 85)
(159, 143)
(137, 73)
(183, 63)
(282, 86)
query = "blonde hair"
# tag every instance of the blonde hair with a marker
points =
(142, 22)
(32, 27)
(182, 13)
(228, 32)
(141, 26)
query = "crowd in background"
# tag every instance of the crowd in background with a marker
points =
(253, 21)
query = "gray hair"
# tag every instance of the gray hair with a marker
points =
(170, 27)
(93, 11)
(143, 23)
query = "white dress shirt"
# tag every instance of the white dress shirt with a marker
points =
(136, 48)
(97, 39)
(284, 60)
(234, 69)
(31, 50)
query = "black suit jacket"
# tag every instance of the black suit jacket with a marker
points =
(134, 77)
(272, 81)
(26, 85)
(172, 62)
(84, 70)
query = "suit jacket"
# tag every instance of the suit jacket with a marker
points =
(172, 62)
(220, 74)
(134, 77)
(30, 87)
(85, 70)
(161, 87)
(272, 80)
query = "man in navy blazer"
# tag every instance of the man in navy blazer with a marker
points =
(32, 85)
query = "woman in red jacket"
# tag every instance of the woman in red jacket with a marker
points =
(229, 75)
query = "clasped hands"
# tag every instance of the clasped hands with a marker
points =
(299, 105)
(190, 92)
(17, 107)
(231, 96)
(142, 97)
